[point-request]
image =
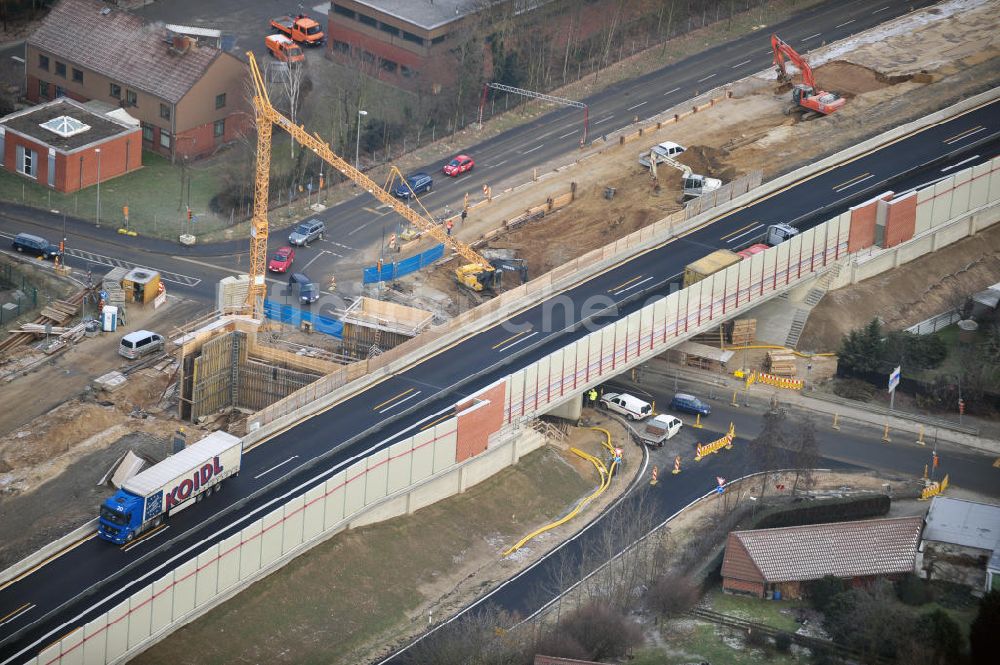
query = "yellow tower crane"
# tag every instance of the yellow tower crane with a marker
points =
(266, 116)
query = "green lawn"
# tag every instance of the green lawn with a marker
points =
(768, 612)
(153, 195)
(695, 642)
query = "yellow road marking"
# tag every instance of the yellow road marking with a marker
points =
(852, 180)
(58, 554)
(750, 225)
(509, 339)
(17, 611)
(961, 135)
(392, 399)
(444, 417)
(623, 284)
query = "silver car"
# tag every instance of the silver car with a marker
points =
(306, 232)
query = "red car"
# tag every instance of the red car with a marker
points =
(459, 165)
(281, 260)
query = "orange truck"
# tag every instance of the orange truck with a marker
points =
(284, 49)
(301, 29)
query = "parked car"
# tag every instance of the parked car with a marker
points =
(661, 152)
(304, 287)
(36, 246)
(140, 343)
(659, 429)
(418, 183)
(629, 406)
(459, 165)
(306, 232)
(689, 404)
(281, 260)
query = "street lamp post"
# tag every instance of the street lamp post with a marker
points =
(357, 142)
(98, 151)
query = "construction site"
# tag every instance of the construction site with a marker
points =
(85, 409)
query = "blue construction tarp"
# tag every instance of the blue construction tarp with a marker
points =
(398, 269)
(294, 316)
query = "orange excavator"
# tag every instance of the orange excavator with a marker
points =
(805, 95)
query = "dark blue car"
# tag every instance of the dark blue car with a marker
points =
(689, 404)
(418, 183)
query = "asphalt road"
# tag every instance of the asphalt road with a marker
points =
(87, 580)
(356, 226)
(851, 448)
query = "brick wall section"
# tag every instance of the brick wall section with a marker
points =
(862, 233)
(475, 427)
(901, 220)
(743, 586)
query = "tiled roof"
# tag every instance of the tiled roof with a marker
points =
(120, 46)
(843, 549)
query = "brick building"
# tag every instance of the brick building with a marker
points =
(187, 96)
(764, 562)
(64, 145)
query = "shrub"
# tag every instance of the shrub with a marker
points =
(914, 591)
(854, 389)
(823, 590)
(672, 595)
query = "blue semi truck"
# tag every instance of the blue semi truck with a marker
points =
(177, 482)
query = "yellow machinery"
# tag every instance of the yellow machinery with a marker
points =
(266, 116)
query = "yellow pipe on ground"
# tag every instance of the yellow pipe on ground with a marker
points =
(606, 475)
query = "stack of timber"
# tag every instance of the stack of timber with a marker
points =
(781, 363)
(741, 332)
(55, 313)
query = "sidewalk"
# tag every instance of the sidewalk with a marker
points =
(900, 423)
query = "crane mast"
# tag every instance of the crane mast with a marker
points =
(266, 116)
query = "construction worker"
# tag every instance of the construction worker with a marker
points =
(593, 396)
(448, 226)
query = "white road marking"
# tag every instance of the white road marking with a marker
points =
(569, 134)
(805, 39)
(706, 78)
(964, 161)
(740, 64)
(537, 147)
(395, 404)
(513, 344)
(604, 120)
(635, 107)
(279, 464)
(852, 184)
(631, 286)
(880, 10)
(670, 91)
(756, 228)
(843, 24)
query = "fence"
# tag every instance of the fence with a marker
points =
(934, 324)
(397, 269)
(294, 316)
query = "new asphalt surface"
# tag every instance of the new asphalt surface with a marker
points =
(87, 580)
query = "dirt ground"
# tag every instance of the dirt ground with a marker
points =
(887, 81)
(916, 291)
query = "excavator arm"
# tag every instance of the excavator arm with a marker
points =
(781, 51)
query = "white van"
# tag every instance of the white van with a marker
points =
(139, 343)
(629, 406)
